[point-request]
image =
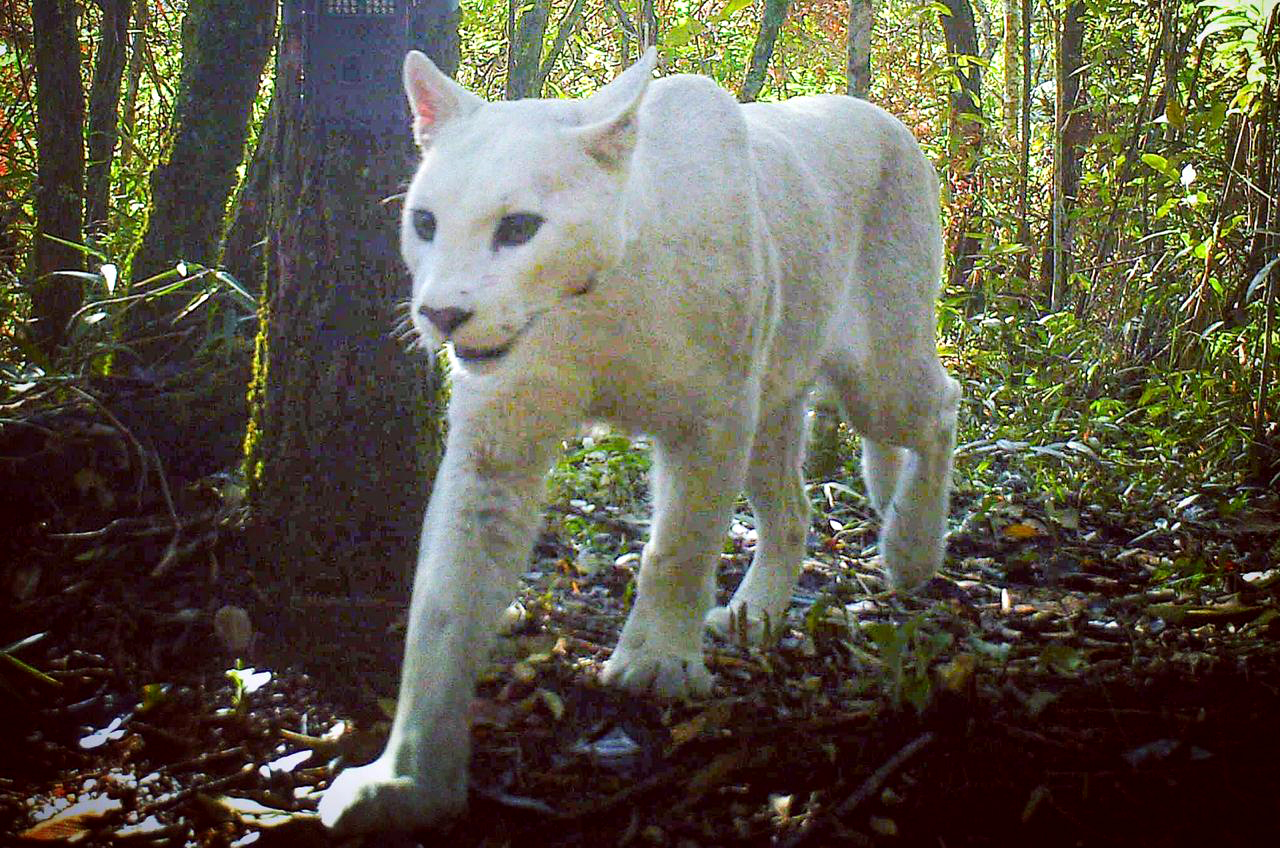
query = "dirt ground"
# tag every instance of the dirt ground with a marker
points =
(1066, 681)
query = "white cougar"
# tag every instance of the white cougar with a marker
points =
(663, 258)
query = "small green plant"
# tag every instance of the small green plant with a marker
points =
(907, 651)
(245, 680)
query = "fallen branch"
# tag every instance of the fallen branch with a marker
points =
(869, 787)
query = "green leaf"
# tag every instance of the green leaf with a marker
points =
(1161, 164)
(684, 32)
(732, 8)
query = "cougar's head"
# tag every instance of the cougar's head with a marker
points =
(516, 207)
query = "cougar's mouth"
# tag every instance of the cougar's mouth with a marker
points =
(479, 355)
(475, 354)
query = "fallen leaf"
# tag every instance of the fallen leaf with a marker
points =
(1021, 531)
(74, 823)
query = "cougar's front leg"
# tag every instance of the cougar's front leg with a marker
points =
(695, 483)
(477, 535)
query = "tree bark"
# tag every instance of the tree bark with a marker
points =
(242, 250)
(225, 45)
(525, 53)
(568, 24)
(966, 135)
(1024, 151)
(59, 172)
(861, 15)
(129, 103)
(1011, 70)
(104, 110)
(1068, 142)
(344, 435)
(649, 24)
(775, 13)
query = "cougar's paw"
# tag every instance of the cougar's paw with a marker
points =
(908, 565)
(370, 799)
(744, 624)
(666, 675)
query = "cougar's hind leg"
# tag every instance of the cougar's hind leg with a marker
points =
(908, 424)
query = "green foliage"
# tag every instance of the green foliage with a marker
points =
(907, 653)
(603, 468)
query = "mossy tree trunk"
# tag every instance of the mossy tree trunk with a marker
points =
(225, 44)
(345, 431)
(104, 110)
(60, 171)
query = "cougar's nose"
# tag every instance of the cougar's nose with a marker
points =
(445, 320)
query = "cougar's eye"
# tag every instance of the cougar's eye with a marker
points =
(424, 224)
(515, 230)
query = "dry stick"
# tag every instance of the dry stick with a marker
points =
(869, 787)
(167, 801)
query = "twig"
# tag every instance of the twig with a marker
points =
(248, 770)
(869, 787)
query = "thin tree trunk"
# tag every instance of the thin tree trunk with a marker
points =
(344, 435)
(1024, 164)
(225, 46)
(568, 25)
(526, 48)
(775, 12)
(986, 28)
(60, 171)
(861, 15)
(129, 103)
(966, 137)
(649, 25)
(1011, 71)
(104, 110)
(1068, 124)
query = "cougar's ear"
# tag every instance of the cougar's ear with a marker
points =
(434, 98)
(609, 136)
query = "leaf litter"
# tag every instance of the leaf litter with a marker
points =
(1075, 676)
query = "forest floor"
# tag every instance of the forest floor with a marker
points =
(1070, 679)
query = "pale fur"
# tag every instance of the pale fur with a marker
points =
(730, 256)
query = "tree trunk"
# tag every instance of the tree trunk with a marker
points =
(966, 137)
(104, 110)
(225, 44)
(861, 14)
(1011, 69)
(242, 250)
(344, 436)
(775, 12)
(1068, 141)
(524, 57)
(1024, 151)
(59, 172)
(568, 25)
(649, 24)
(129, 103)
